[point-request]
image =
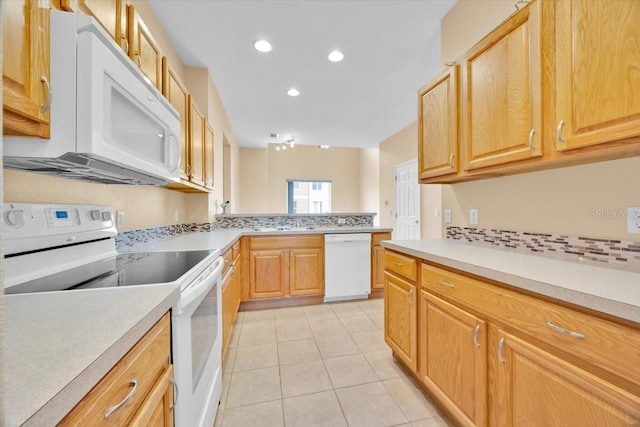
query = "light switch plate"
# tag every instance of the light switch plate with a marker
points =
(633, 220)
(473, 216)
(447, 216)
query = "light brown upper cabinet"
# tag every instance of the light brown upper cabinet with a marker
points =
(197, 126)
(176, 93)
(143, 49)
(209, 144)
(501, 103)
(438, 125)
(112, 15)
(598, 72)
(26, 89)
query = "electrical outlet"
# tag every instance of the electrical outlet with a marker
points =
(436, 212)
(633, 220)
(342, 220)
(447, 216)
(119, 219)
(473, 216)
(176, 215)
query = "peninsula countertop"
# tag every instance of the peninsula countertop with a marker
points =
(58, 345)
(607, 290)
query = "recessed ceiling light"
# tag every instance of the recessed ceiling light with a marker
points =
(293, 92)
(263, 46)
(324, 147)
(336, 56)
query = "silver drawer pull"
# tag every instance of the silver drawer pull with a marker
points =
(531, 146)
(47, 104)
(559, 132)
(175, 393)
(399, 264)
(476, 331)
(565, 331)
(114, 408)
(447, 284)
(500, 347)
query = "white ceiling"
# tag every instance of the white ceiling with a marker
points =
(391, 49)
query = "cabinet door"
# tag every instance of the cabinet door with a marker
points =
(400, 319)
(176, 93)
(157, 409)
(501, 93)
(227, 311)
(112, 14)
(532, 387)
(267, 274)
(454, 361)
(306, 272)
(208, 156)
(196, 143)
(377, 267)
(25, 72)
(438, 125)
(598, 72)
(143, 49)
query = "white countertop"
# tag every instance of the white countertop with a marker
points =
(223, 238)
(606, 290)
(58, 345)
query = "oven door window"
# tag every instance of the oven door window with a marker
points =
(204, 331)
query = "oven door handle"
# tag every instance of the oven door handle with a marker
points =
(202, 284)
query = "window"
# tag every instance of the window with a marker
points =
(309, 196)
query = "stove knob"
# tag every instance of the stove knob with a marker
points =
(106, 216)
(15, 218)
(95, 215)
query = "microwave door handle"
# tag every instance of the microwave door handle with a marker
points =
(177, 152)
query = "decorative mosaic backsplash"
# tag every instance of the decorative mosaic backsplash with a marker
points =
(319, 221)
(145, 235)
(623, 253)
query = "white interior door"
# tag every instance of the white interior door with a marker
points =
(407, 201)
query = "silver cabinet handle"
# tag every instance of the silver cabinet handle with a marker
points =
(47, 104)
(410, 297)
(175, 393)
(565, 331)
(114, 408)
(531, 146)
(559, 132)
(399, 264)
(451, 158)
(123, 38)
(476, 331)
(447, 284)
(500, 347)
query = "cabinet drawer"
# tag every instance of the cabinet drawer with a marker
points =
(400, 264)
(376, 238)
(284, 242)
(145, 363)
(603, 343)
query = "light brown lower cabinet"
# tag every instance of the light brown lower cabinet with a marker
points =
(141, 381)
(285, 266)
(377, 260)
(231, 295)
(535, 388)
(454, 344)
(490, 355)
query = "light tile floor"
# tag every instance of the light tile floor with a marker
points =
(322, 365)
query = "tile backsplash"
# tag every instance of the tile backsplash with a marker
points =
(616, 253)
(145, 235)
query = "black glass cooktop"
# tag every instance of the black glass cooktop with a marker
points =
(124, 269)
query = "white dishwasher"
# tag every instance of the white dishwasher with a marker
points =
(347, 266)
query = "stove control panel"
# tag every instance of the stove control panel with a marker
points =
(31, 226)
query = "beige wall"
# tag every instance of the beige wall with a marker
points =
(468, 22)
(263, 186)
(562, 201)
(145, 206)
(370, 182)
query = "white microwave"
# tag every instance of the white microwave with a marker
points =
(109, 124)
